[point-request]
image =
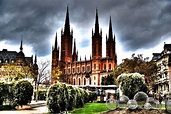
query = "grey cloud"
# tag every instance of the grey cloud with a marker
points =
(136, 23)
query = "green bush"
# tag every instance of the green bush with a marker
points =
(62, 97)
(23, 91)
(3, 92)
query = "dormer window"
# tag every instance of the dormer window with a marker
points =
(6, 61)
(12, 61)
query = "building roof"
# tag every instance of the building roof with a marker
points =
(167, 47)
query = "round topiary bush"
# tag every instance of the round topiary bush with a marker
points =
(23, 91)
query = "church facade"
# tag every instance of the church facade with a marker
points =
(90, 70)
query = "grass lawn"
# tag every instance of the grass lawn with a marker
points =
(91, 108)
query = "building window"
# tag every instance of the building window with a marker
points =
(84, 81)
(74, 81)
(110, 66)
(89, 81)
(78, 69)
(79, 81)
(12, 60)
(83, 69)
(104, 66)
(94, 77)
(94, 66)
(69, 71)
(73, 70)
(6, 61)
(99, 66)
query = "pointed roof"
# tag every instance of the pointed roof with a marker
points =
(35, 60)
(21, 45)
(110, 29)
(96, 23)
(74, 51)
(56, 42)
(67, 25)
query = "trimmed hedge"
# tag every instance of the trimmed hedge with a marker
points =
(17, 93)
(62, 97)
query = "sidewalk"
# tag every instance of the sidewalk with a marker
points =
(35, 104)
(32, 105)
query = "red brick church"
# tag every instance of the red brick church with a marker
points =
(90, 70)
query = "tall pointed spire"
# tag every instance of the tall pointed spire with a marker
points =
(74, 47)
(35, 60)
(56, 42)
(110, 29)
(67, 25)
(21, 45)
(97, 23)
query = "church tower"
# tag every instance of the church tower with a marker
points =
(66, 41)
(55, 54)
(110, 43)
(75, 54)
(96, 46)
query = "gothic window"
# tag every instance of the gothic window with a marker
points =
(68, 70)
(94, 77)
(84, 81)
(99, 66)
(79, 81)
(89, 81)
(104, 66)
(83, 69)
(110, 66)
(94, 66)
(78, 69)
(73, 70)
(74, 81)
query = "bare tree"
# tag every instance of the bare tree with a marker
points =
(43, 74)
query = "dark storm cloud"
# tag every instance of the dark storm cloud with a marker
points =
(136, 23)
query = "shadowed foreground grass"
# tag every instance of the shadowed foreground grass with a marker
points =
(91, 108)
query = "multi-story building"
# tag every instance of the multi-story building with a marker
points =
(14, 65)
(88, 71)
(163, 61)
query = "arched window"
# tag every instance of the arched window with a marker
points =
(74, 81)
(90, 81)
(84, 81)
(79, 82)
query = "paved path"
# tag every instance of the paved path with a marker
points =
(38, 110)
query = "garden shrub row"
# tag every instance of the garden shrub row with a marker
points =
(62, 97)
(16, 93)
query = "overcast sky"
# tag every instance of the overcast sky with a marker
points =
(140, 26)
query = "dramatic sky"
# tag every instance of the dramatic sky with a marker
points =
(140, 26)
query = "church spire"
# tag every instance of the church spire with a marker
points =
(67, 25)
(74, 47)
(56, 42)
(110, 29)
(97, 23)
(35, 60)
(21, 45)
